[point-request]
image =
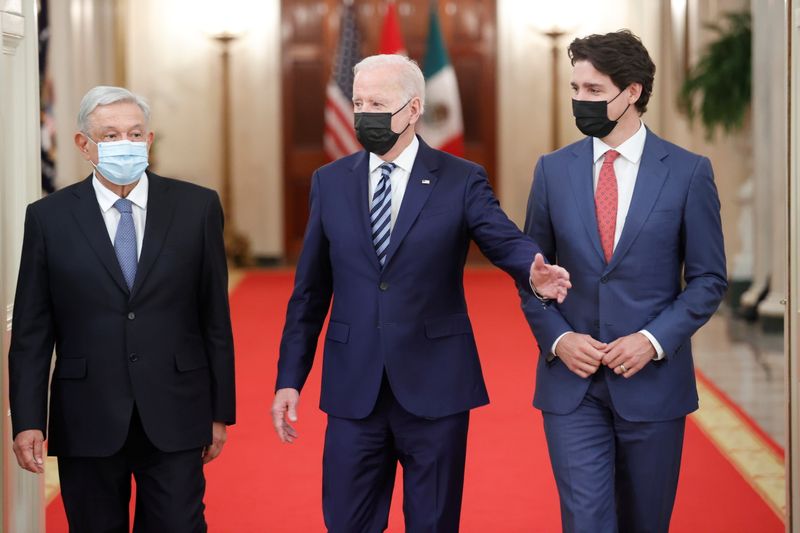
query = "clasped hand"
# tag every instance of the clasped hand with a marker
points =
(626, 356)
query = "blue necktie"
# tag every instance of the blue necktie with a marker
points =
(125, 241)
(381, 213)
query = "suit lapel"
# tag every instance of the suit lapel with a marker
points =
(160, 207)
(652, 175)
(416, 195)
(91, 223)
(581, 171)
(358, 196)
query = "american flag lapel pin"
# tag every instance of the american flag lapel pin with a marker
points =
(426, 181)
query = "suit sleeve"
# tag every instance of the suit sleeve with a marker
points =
(32, 333)
(499, 238)
(310, 300)
(216, 316)
(545, 320)
(704, 266)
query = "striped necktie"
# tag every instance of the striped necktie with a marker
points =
(381, 212)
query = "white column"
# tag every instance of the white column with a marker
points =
(22, 492)
(762, 156)
(771, 310)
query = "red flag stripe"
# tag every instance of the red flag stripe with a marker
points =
(391, 37)
(454, 145)
(336, 138)
(344, 114)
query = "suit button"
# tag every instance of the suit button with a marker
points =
(604, 279)
(131, 315)
(133, 358)
(383, 286)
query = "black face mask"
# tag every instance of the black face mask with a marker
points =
(591, 117)
(374, 131)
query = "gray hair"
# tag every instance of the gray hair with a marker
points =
(411, 79)
(106, 95)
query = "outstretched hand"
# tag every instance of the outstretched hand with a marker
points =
(550, 281)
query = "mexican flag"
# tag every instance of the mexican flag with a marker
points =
(442, 126)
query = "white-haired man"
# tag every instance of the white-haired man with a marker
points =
(124, 273)
(387, 238)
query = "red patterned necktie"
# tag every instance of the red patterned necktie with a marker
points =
(605, 203)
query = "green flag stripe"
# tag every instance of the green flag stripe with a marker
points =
(436, 54)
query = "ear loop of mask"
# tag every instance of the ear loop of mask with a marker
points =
(409, 120)
(626, 109)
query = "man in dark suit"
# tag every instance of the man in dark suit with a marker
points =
(124, 273)
(628, 214)
(387, 238)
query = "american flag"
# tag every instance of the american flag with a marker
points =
(340, 138)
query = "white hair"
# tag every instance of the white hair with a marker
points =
(106, 95)
(411, 80)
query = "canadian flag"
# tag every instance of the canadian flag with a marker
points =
(442, 126)
(391, 38)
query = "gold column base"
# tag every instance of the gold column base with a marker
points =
(237, 247)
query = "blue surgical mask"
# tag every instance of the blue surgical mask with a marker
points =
(121, 162)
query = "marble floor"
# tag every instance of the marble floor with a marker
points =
(748, 366)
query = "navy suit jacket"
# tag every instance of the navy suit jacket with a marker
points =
(166, 345)
(409, 318)
(672, 230)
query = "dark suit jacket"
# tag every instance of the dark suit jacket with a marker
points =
(672, 230)
(166, 345)
(411, 317)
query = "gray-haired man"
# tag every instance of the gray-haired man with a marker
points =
(124, 274)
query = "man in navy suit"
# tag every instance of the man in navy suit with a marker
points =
(628, 214)
(387, 238)
(124, 274)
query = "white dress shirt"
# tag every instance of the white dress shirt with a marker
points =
(398, 177)
(626, 168)
(138, 198)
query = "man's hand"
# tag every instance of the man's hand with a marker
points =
(219, 434)
(627, 355)
(285, 406)
(551, 281)
(28, 447)
(581, 353)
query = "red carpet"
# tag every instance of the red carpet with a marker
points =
(259, 485)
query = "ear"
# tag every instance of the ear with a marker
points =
(416, 110)
(83, 145)
(634, 92)
(150, 136)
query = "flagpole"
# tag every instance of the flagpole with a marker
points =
(237, 246)
(555, 112)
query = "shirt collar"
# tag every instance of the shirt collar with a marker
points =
(631, 149)
(106, 198)
(404, 161)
